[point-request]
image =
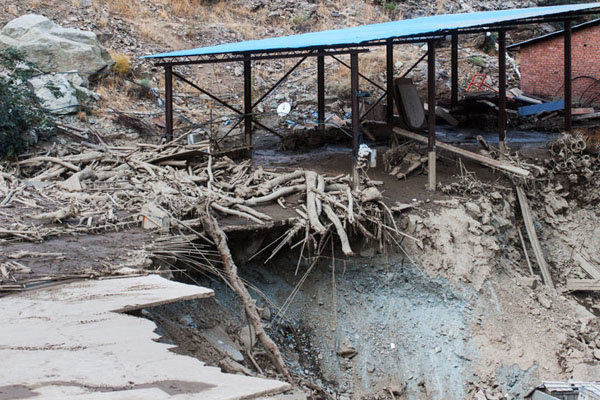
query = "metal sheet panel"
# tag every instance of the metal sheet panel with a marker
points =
(360, 35)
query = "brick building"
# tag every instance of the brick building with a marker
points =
(542, 64)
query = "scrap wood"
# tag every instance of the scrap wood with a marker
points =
(574, 285)
(587, 266)
(490, 162)
(533, 239)
(38, 160)
(58, 215)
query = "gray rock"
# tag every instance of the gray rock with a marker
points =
(55, 93)
(530, 281)
(473, 209)
(53, 48)
(346, 349)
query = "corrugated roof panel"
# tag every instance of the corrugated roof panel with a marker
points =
(425, 26)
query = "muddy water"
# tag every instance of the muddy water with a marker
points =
(410, 332)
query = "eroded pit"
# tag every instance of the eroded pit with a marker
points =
(410, 332)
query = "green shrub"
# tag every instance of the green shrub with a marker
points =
(477, 60)
(390, 6)
(23, 121)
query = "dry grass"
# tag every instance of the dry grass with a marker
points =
(122, 65)
(123, 8)
(112, 95)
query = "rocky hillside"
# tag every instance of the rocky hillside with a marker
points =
(131, 29)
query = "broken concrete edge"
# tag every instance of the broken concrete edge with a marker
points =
(138, 307)
(102, 297)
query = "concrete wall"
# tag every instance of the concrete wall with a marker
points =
(542, 66)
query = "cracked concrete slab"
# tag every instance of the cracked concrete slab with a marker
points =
(73, 341)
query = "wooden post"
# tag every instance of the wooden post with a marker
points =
(568, 72)
(321, 92)
(169, 103)
(502, 90)
(390, 81)
(454, 72)
(431, 112)
(355, 118)
(248, 103)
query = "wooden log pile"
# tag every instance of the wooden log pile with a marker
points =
(86, 187)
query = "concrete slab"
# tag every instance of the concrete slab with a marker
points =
(72, 341)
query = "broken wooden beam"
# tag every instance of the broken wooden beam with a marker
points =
(487, 161)
(533, 239)
(574, 285)
(588, 267)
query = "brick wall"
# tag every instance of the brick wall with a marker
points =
(542, 66)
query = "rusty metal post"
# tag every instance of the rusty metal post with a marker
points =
(568, 72)
(355, 117)
(321, 92)
(169, 103)
(248, 103)
(502, 90)
(431, 112)
(454, 71)
(389, 47)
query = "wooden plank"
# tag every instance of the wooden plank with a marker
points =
(591, 269)
(487, 161)
(544, 107)
(582, 111)
(587, 116)
(583, 284)
(533, 239)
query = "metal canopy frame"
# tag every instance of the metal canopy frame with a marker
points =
(320, 52)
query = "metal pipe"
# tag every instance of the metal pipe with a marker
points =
(248, 102)
(366, 78)
(321, 92)
(454, 72)
(283, 78)
(414, 65)
(568, 76)
(431, 112)
(212, 96)
(355, 117)
(501, 90)
(431, 94)
(390, 81)
(169, 102)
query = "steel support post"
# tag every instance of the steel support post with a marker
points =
(355, 118)
(321, 92)
(568, 75)
(389, 47)
(454, 71)
(169, 103)
(502, 91)
(248, 104)
(431, 112)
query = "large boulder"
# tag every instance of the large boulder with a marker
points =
(53, 48)
(55, 93)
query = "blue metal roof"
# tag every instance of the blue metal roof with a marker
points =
(361, 35)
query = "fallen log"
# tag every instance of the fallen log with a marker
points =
(41, 159)
(346, 249)
(220, 240)
(237, 213)
(58, 215)
(487, 161)
(285, 191)
(311, 202)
